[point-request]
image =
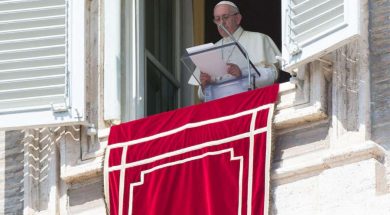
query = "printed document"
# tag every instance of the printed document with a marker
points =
(207, 61)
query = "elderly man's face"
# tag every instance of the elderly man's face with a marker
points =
(225, 14)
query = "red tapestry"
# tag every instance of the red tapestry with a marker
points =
(211, 158)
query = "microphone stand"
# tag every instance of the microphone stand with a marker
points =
(244, 52)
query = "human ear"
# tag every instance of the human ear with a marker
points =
(238, 19)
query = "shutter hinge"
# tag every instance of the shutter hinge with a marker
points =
(294, 49)
(297, 78)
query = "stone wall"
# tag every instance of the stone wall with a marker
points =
(11, 172)
(331, 166)
(379, 25)
(348, 189)
(380, 70)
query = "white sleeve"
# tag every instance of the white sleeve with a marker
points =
(268, 76)
(200, 93)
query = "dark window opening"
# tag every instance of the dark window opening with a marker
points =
(258, 15)
(161, 92)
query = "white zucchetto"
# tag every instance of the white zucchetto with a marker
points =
(227, 3)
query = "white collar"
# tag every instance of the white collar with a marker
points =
(236, 35)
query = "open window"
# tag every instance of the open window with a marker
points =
(41, 63)
(312, 28)
(154, 34)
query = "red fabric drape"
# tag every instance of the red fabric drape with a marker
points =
(204, 159)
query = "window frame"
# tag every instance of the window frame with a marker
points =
(135, 55)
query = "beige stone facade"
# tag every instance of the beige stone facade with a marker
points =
(331, 153)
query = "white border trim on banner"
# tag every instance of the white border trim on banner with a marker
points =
(190, 125)
(232, 158)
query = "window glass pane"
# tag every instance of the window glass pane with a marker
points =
(159, 20)
(161, 93)
(150, 33)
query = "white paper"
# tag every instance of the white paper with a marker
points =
(209, 62)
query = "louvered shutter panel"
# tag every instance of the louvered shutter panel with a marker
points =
(35, 82)
(312, 28)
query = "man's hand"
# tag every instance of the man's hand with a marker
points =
(204, 79)
(234, 70)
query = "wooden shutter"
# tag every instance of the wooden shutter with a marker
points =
(35, 63)
(312, 28)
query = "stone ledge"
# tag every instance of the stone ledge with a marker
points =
(290, 118)
(304, 101)
(327, 160)
(91, 164)
(83, 171)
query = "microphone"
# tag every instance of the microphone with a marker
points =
(243, 51)
(221, 26)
